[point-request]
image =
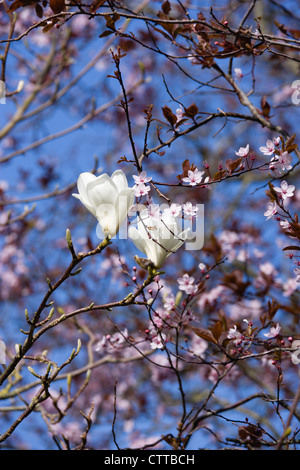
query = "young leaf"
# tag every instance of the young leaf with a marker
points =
(169, 115)
(191, 111)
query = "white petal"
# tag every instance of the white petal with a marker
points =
(102, 191)
(83, 180)
(86, 204)
(122, 206)
(119, 179)
(139, 241)
(111, 216)
(107, 217)
(124, 202)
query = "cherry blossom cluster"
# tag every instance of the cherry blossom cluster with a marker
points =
(173, 309)
(241, 340)
(278, 163)
(112, 343)
(141, 188)
(285, 191)
(186, 210)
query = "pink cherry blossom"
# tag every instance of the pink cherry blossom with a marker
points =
(274, 331)
(142, 178)
(234, 334)
(271, 210)
(157, 340)
(269, 148)
(243, 151)
(154, 211)
(281, 163)
(189, 210)
(186, 283)
(194, 177)
(174, 210)
(179, 114)
(164, 315)
(169, 302)
(285, 190)
(141, 190)
(284, 224)
(202, 267)
(238, 73)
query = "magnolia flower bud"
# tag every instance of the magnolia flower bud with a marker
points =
(20, 86)
(109, 199)
(158, 238)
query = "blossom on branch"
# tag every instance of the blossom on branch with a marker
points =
(142, 178)
(285, 190)
(189, 210)
(238, 73)
(269, 148)
(141, 190)
(109, 199)
(234, 334)
(243, 151)
(194, 177)
(157, 238)
(174, 210)
(281, 163)
(186, 283)
(140, 187)
(271, 210)
(274, 331)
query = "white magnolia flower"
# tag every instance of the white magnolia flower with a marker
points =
(109, 199)
(157, 238)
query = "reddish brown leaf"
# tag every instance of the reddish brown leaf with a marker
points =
(166, 7)
(291, 247)
(219, 175)
(191, 111)
(169, 115)
(266, 108)
(106, 33)
(57, 6)
(205, 334)
(217, 330)
(20, 3)
(39, 10)
(95, 5)
(235, 164)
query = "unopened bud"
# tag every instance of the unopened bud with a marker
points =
(68, 236)
(20, 86)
